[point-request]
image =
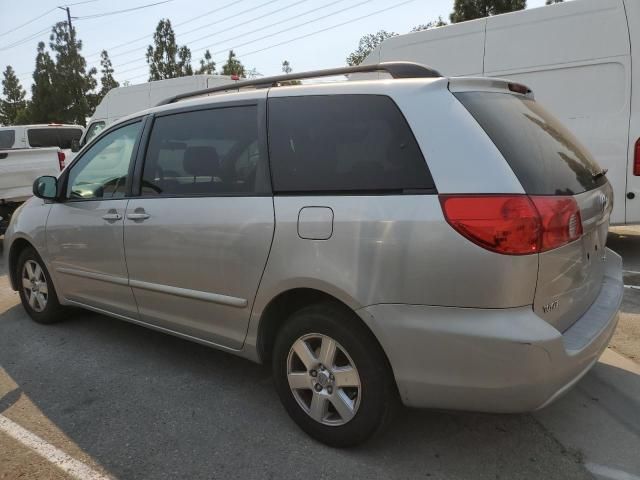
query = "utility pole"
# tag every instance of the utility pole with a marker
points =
(68, 17)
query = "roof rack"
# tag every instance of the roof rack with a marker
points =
(395, 69)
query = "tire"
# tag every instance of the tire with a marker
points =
(39, 299)
(340, 410)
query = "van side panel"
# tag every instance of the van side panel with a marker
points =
(633, 183)
(576, 58)
(452, 51)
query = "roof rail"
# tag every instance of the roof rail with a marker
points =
(395, 69)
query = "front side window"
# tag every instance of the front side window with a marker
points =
(205, 152)
(94, 129)
(53, 137)
(103, 170)
(355, 144)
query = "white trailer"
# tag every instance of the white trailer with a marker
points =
(576, 56)
(123, 101)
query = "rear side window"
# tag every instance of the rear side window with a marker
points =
(344, 144)
(7, 138)
(543, 154)
(206, 152)
(53, 137)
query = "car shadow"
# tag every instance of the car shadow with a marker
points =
(148, 405)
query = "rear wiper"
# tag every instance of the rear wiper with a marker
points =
(600, 174)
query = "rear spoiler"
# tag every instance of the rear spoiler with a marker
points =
(484, 84)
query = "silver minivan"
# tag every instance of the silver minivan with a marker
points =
(438, 242)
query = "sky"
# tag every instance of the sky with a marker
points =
(310, 34)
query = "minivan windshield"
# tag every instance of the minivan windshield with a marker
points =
(543, 154)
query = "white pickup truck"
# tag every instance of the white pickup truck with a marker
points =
(18, 169)
(26, 153)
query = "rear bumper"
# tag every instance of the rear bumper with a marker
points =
(500, 360)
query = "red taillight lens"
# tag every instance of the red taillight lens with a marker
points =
(61, 158)
(636, 159)
(514, 224)
(561, 222)
(503, 224)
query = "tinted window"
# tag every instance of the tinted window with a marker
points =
(7, 138)
(103, 170)
(343, 143)
(53, 137)
(207, 152)
(544, 155)
(94, 129)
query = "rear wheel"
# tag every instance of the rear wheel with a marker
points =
(36, 289)
(332, 376)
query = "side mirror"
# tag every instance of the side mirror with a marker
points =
(75, 145)
(46, 187)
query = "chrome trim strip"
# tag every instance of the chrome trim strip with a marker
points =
(188, 293)
(94, 276)
(154, 287)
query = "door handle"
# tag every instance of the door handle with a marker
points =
(112, 216)
(138, 216)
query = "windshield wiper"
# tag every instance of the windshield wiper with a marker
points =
(600, 174)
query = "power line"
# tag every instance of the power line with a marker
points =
(115, 12)
(205, 26)
(29, 22)
(145, 37)
(25, 40)
(246, 54)
(269, 26)
(259, 17)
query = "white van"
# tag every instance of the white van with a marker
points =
(41, 136)
(123, 101)
(575, 56)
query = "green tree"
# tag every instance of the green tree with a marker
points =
(551, 2)
(165, 58)
(464, 10)
(43, 102)
(207, 66)
(366, 45)
(432, 24)
(13, 105)
(72, 82)
(107, 81)
(286, 68)
(233, 66)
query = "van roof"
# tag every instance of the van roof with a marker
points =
(42, 125)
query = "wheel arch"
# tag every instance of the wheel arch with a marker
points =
(16, 248)
(282, 306)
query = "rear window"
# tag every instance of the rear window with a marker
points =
(7, 138)
(53, 137)
(543, 154)
(344, 143)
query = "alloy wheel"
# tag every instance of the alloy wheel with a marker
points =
(34, 284)
(324, 379)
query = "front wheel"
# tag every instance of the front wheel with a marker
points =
(332, 376)
(37, 292)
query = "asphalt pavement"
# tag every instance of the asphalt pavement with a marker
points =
(125, 402)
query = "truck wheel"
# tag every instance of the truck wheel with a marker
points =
(332, 376)
(37, 292)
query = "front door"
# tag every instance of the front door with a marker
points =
(198, 236)
(85, 231)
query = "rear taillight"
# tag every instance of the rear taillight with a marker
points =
(636, 159)
(61, 160)
(560, 218)
(514, 224)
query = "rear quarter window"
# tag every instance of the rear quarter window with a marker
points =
(344, 144)
(7, 138)
(543, 154)
(53, 137)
